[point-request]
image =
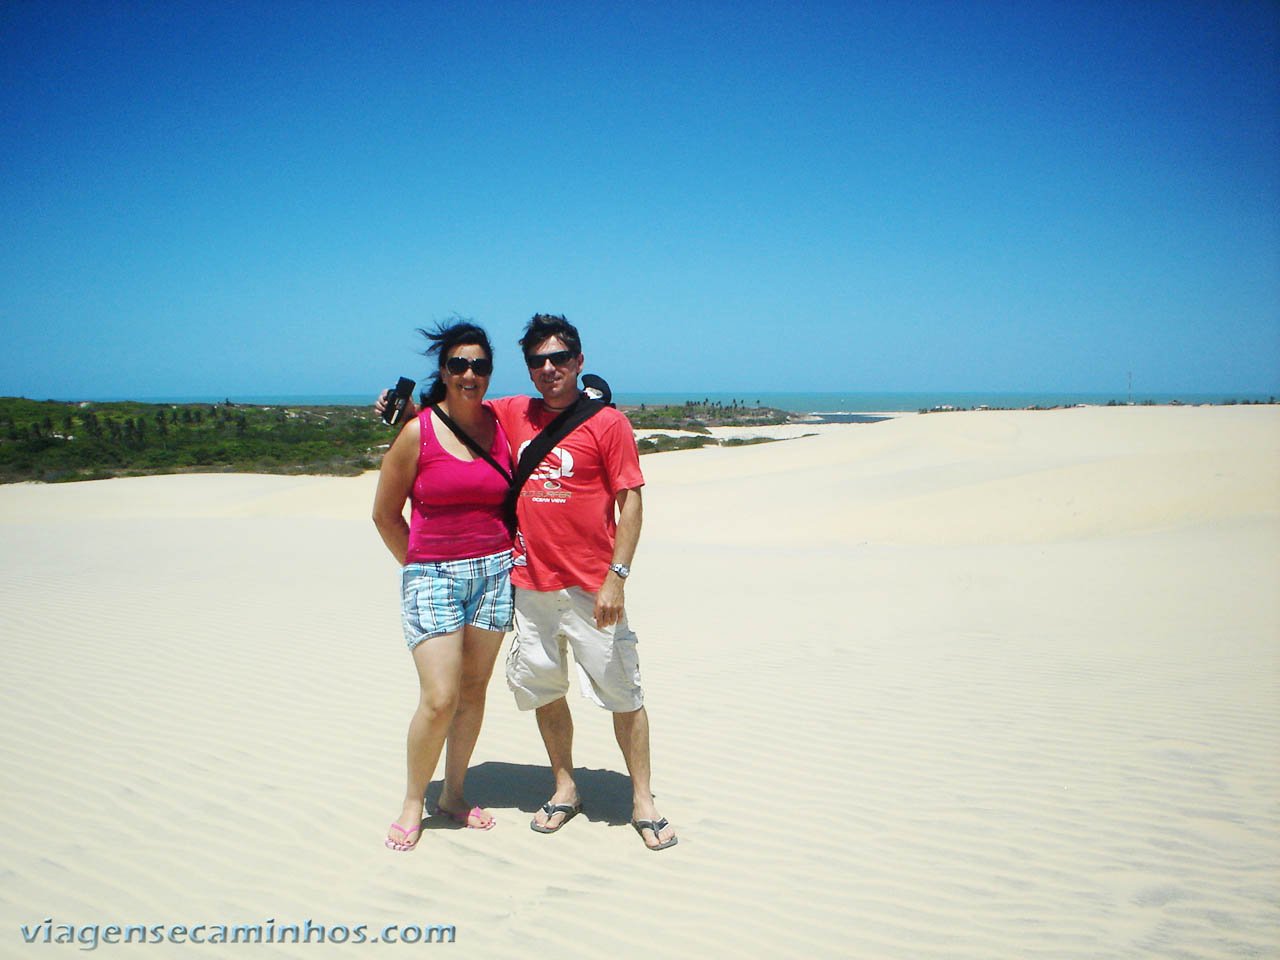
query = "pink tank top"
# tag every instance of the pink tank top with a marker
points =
(457, 504)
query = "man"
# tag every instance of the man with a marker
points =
(572, 559)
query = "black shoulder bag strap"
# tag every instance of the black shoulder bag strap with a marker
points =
(468, 442)
(568, 420)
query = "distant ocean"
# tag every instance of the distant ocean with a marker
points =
(853, 402)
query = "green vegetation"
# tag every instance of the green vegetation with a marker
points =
(750, 441)
(661, 443)
(696, 416)
(54, 441)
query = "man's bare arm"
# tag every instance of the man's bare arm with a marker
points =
(610, 599)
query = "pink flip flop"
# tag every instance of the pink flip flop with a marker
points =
(473, 819)
(404, 845)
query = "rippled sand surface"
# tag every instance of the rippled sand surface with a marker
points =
(974, 685)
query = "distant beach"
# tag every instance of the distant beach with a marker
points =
(819, 403)
(55, 441)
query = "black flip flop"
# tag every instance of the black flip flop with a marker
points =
(656, 826)
(570, 810)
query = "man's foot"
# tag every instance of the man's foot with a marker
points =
(554, 814)
(656, 834)
(474, 819)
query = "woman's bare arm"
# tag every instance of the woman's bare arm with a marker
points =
(395, 482)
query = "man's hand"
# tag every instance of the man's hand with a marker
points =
(609, 601)
(609, 597)
(380, 405)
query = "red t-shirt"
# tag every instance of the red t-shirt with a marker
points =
(566, 509)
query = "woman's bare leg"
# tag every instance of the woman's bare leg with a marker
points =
(439, 664)
(479, 652)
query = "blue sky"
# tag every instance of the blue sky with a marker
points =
(246, 198)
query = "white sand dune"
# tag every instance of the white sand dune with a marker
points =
(973, 685)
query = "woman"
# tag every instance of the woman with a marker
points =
(456, 557)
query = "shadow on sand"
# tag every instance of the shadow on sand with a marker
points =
(606, 794)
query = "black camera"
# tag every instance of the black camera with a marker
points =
(397, 398)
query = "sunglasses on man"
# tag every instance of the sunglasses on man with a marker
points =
(558, 358)
(481, 366)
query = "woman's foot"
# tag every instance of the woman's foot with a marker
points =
(398, 837)
(474, 819)
(459, 811)
(406, 830)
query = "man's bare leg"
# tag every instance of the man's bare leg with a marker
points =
(555, 723)
(632, 732)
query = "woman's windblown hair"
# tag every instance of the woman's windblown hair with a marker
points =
(454, 332)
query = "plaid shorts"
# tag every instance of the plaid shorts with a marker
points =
(438, 598)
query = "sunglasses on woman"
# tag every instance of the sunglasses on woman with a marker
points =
(481, 366)
(558, 358)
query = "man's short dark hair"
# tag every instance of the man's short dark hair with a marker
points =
(544, 325)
